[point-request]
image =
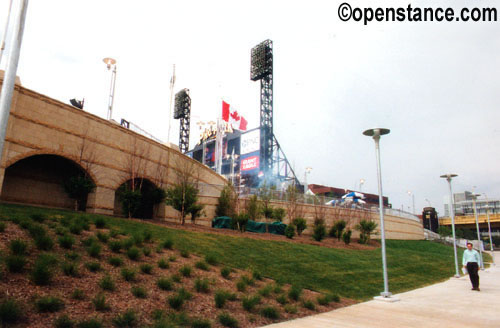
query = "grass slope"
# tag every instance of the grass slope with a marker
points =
(349, 273)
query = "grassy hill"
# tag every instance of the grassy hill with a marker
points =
(353, 274)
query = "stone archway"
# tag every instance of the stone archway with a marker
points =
(146, 207)
(39, 180)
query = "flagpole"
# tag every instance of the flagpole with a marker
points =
(172, 83)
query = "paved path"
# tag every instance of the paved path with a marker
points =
(448, 304)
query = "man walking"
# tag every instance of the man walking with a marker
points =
(471, 261)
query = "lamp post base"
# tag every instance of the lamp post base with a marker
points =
(389, 298)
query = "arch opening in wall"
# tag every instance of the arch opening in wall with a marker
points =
(43, 180)
(138, 198)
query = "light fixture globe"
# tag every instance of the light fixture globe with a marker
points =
(376, 132)
(109, 61)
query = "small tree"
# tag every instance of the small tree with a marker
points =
(182, 197)
(365, 228)
(346, 236)
(130, 200)
(279, 214)
(78, 187)
(290, 231)
(339, 228)
(252, 208)
(225, 205)
(319, 231)
(300, 224)
(196, 211)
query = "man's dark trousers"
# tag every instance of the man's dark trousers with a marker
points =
(473, 268)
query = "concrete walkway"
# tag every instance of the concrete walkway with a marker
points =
(448, 304)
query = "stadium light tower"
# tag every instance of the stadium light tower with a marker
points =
(111, 65)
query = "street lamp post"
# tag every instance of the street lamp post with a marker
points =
(306, 172)
(489, 228)
(361, 183)
(448, 178)
(413, 199)
(111, 63)
(375, 134)
(474, 197)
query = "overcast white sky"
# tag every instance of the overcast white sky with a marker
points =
(435, 85)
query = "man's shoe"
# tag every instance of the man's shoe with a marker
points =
(473, 288)
(478, 289)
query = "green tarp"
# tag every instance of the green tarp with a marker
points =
(277, 228)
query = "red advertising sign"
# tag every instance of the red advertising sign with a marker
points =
(250, 163)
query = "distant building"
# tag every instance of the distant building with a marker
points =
(463, 205)
(333, 192)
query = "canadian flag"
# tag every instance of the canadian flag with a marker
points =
(230, 115)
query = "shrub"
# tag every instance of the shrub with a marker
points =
(278, 288)
(2, 226)
(15, 263)
(83, 222)
(211, 259)
(185, 270)
(115, 261)
(278, 214)
(239, 221)
(115, 246)
(64, 322)
(256, 275)
(225, 272)
(201, 323)
(139, 292)
(93, 266)
(346, 236)
(308, 304)
(365, 228)
(335, 298)
(103, 237)
(114, 233)
(38, 217)
(89, 241)
(100, 303)
(292, 309)
(241, 286)
(107, 283)
(127, 243)
(176, 301)
(10, 311)
(66, 241)
(294, 293)
(176, 278)
(127, 319)
(300, 224)
(184, 294)
(70, 269)
(128, 274)
(282, 299)
(202, 285)
(25, 224)
(172, 258)
(18, 247)
(146, 251)
(100, 223)
(90, 323)
(146, 268)
(44, 243)
(202, 265)
(339, 228)
(227, 320)
(270, 312)
(133, 253)
(75, 228)
(78, 294)
(163, 264)
(49, 304)
(185, 253)
(319, 232)
(247, 280)
(138, 239)
(265, 291)
(147, 236)
(42, 271)
(290, 231)
(249, 302)
(164, 284)
(167, 244)
(94, 250)
(72, 256)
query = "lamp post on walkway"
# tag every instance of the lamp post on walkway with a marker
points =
(474, 197)
(489, 227)
(375, 134)
(448, 178)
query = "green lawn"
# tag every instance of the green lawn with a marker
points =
(349, 273)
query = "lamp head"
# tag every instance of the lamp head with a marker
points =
(109, 62)
(376, 132)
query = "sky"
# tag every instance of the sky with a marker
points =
(435, 85)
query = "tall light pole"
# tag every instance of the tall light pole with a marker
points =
(306, 172)
(375, 134)
(111, 65)
(412, 195)
(361, 183)
(474, 197)
(489, 227)
(448, 178)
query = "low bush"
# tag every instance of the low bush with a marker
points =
(164, 284)
(146, 251)
(128, 274)
(270, 312)
(201, 323)
(75, 229)
(175, 302)
(265, 291)
(42, 271)
(72, 256)
(44, 243)
(66, 241)
(100, 223)
(185, 270)
(202, 285)
(146, 268)
(139, 292)
(167, 244)
(346, 237)
(15, 263)
(133, 253)
(211, 259)
(249, 302)
(99, 302)
(172, 258)
(247, 280)
(300, 224)
(308, 304)
(138, 239)
(185, 253)
(282, 299)
(38, 217)
(115, 261)
(61, 231)
(64, 321)
(107, 283)
(90, 323)
(2, 226)
(163, 264)
(289, 308)
(78, 294)
(93, 266)
(227, 320)
(94, 250)
(147, 236)
(10, 311)
(70, 269)
(202, 265)
(225, 272)
(18, 247)
(220, 298)
(319, 232)
(103, 237)
(126, 319)
(290, 231)
(294, 293)
(241, 286)
(127, 243)
(49, 304)
(115, 246)
(176, 277)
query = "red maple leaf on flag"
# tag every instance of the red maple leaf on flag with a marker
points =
(235, 116)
